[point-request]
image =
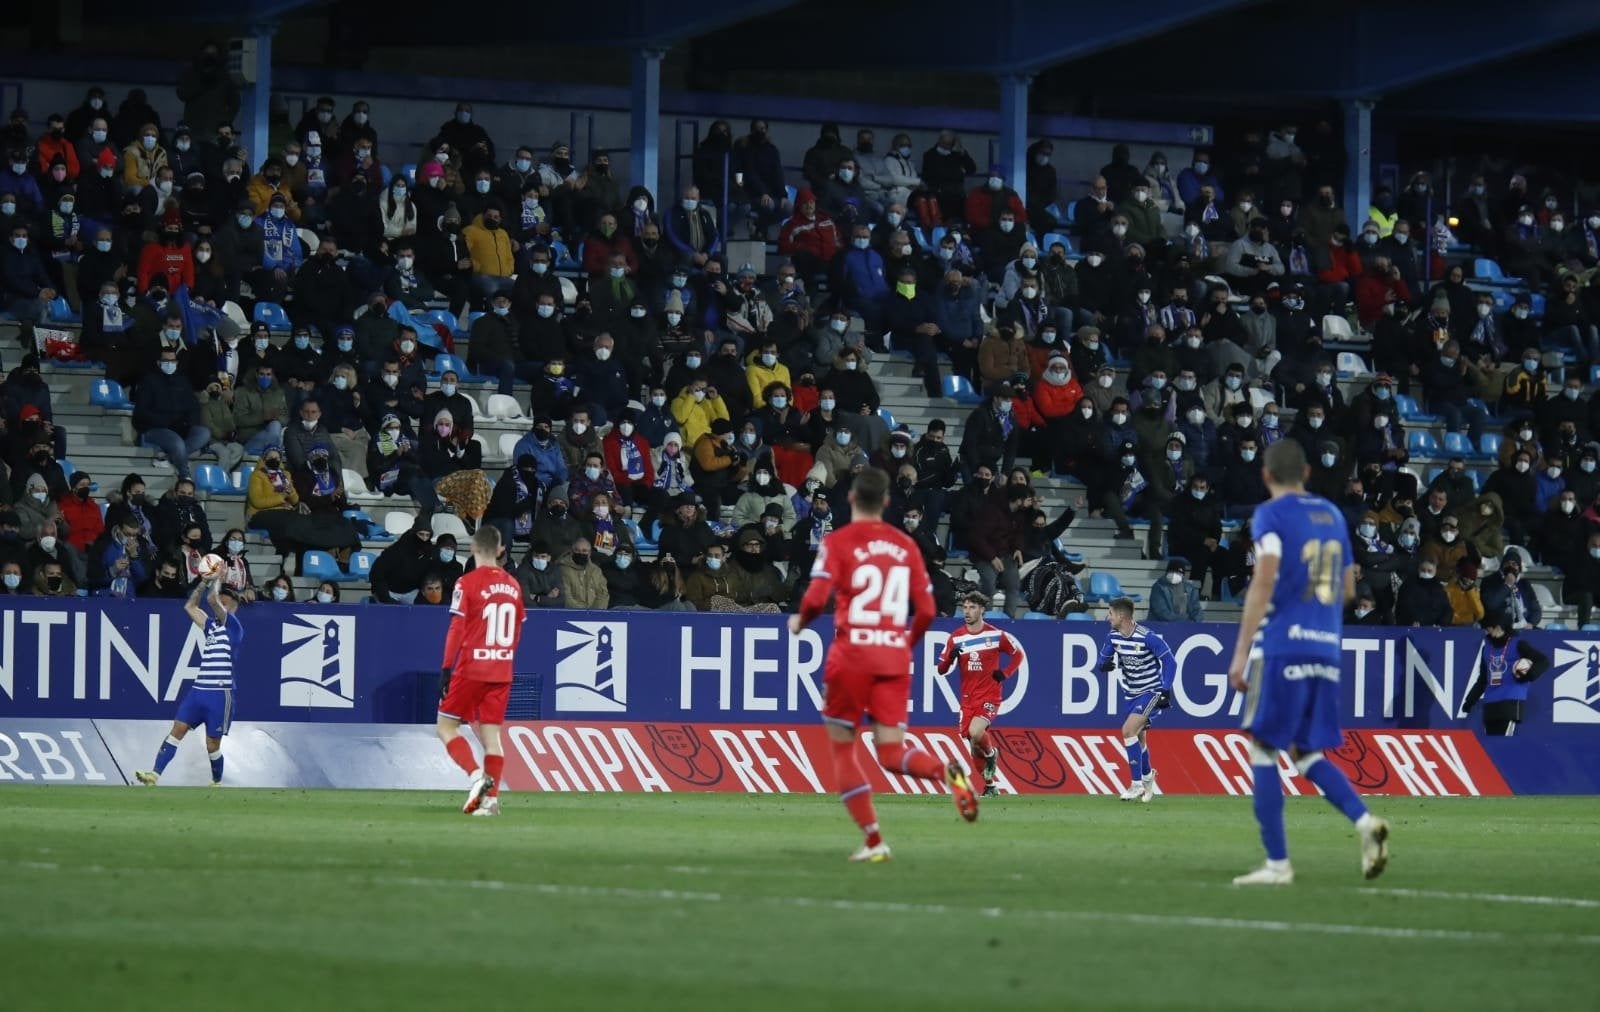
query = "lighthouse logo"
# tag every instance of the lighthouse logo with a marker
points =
(319, 662)
(1577, 682)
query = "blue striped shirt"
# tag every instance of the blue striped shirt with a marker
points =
(216, 657)
(1143, 658)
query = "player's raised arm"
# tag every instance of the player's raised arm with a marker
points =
(214, 599)
(192, 606)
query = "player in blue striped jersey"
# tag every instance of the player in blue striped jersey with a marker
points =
(1147, 667)
(1288, 656)
(209, 701)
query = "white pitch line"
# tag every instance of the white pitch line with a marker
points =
(1538, 901)
(892, 907)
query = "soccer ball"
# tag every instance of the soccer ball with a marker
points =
(211, 567)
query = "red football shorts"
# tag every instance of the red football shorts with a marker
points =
(987, 709)
(851, 694)
(472, 700)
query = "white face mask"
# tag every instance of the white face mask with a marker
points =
(324, 597)
(1094, 259)
(1315, 421)
(407, 347)
(1247, 455)
(540, 564)
(579, 428)
(826, 404)
(779, 402)
(1174, 455)
(602, 354)
(1174, 578)
(1119, 418)
(659, 400)
(1106, 381)
(1196, 416)
(339, 382)
(280, 593)
(842, 438)
(851, 365)
(309, 423)
(1447, 536)
(391, 380)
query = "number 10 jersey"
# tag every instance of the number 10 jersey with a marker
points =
(486, 627)
(1305, 618)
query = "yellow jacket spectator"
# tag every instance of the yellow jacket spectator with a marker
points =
(142, 158)
(489, 245)
(762, 369)
(696, 407)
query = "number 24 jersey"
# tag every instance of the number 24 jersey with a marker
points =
(487, 625)
(883, 600)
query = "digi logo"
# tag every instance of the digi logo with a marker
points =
(319, 662)
(1577, 682)
(592, 667)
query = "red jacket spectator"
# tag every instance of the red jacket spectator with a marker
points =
(597, 250)
(84, 523)
(809, 233)
(1027, 416)
(50, 147)
(611, 447)
(172, 265)
(1053, 402)
(1373, 291)
(984, 206)
(1344, 264)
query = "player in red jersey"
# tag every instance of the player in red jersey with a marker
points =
(979, 645)
(476, 676)
(875, 574)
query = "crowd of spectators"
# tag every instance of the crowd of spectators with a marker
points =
(1147, 350)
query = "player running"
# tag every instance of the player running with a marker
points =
(1147, 668)
(209, 701)
(875, 574)
(980, 645)
(1287, 658)
(476, 680)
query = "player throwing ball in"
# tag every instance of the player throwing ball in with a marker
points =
(476, 679)
(1147, 668)
(883, 603)
(1287, 658)
(209, 701)
(979, 646)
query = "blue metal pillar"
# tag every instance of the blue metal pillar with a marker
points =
(644, 165)
(255, 100)
(1014, 129)
(1358, 145)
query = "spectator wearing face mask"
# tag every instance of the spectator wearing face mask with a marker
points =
(583, 584)
(809, 238)
(1506, 594)
(1526, 387)
(715, 468)
(541, 581)
(1252, 263)
(591, 479)
(1517, 487)
(1422, 600)
(1466, 602)
(1174, 597)
(517, 499)
(143, 158)
(1446, 547)
(398, 572)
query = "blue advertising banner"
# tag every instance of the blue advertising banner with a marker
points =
(88, 658)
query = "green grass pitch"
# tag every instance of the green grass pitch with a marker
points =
(167, 898)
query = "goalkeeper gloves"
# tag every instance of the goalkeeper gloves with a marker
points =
(1109, 666)
(1163, 699)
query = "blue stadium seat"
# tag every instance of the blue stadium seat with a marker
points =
(409, 170)
(213, 480)
(1037, 615)
(888, 419)
(563, 256)
(1488, 270)
(385, 173)
(1106, 587)
(108, 394)
(1458, 444)
(1072, 213)
(1079, 616)
(466, 325)
(361, 566)
(995, 615)
(1594, 374)
(444, 361)
(272, 315)
(1050, 239)
(61, 311)
(1409, 412)
(1536, 305)
(790, 193)
(319, 565)
(443, 316)
(1421, 441)
(959, 389)
(1489, 445)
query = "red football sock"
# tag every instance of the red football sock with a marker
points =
(493, 766)
(854, 790)
(976, 774)
(461, 751)
(913, 762)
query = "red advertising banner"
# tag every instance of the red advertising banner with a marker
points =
(790, 759)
